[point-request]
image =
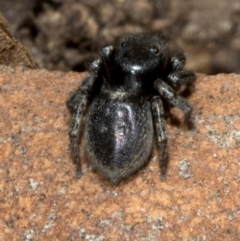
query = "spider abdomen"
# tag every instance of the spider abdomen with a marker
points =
(119, 134)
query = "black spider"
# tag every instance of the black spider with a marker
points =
(127, 88)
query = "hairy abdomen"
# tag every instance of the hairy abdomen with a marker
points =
(119, 134)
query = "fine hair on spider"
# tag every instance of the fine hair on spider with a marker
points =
(129, 91)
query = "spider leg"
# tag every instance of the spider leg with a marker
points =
(160, 126)
(77, 104)
(107, 54)
(74, 136)
(85, 87)
(181, 77)
(178, 76)
(178, 60)
(169, 94)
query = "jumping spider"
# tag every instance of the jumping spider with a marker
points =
(130, 89)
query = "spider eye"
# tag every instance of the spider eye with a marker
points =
(154, 50)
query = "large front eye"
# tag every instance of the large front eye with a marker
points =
(154, 50)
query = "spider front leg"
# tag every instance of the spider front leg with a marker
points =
(77, 104)
(169, 94)
(181, 77)
(178, 76)
(160, 126)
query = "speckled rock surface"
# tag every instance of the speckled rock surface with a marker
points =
(41, 199)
